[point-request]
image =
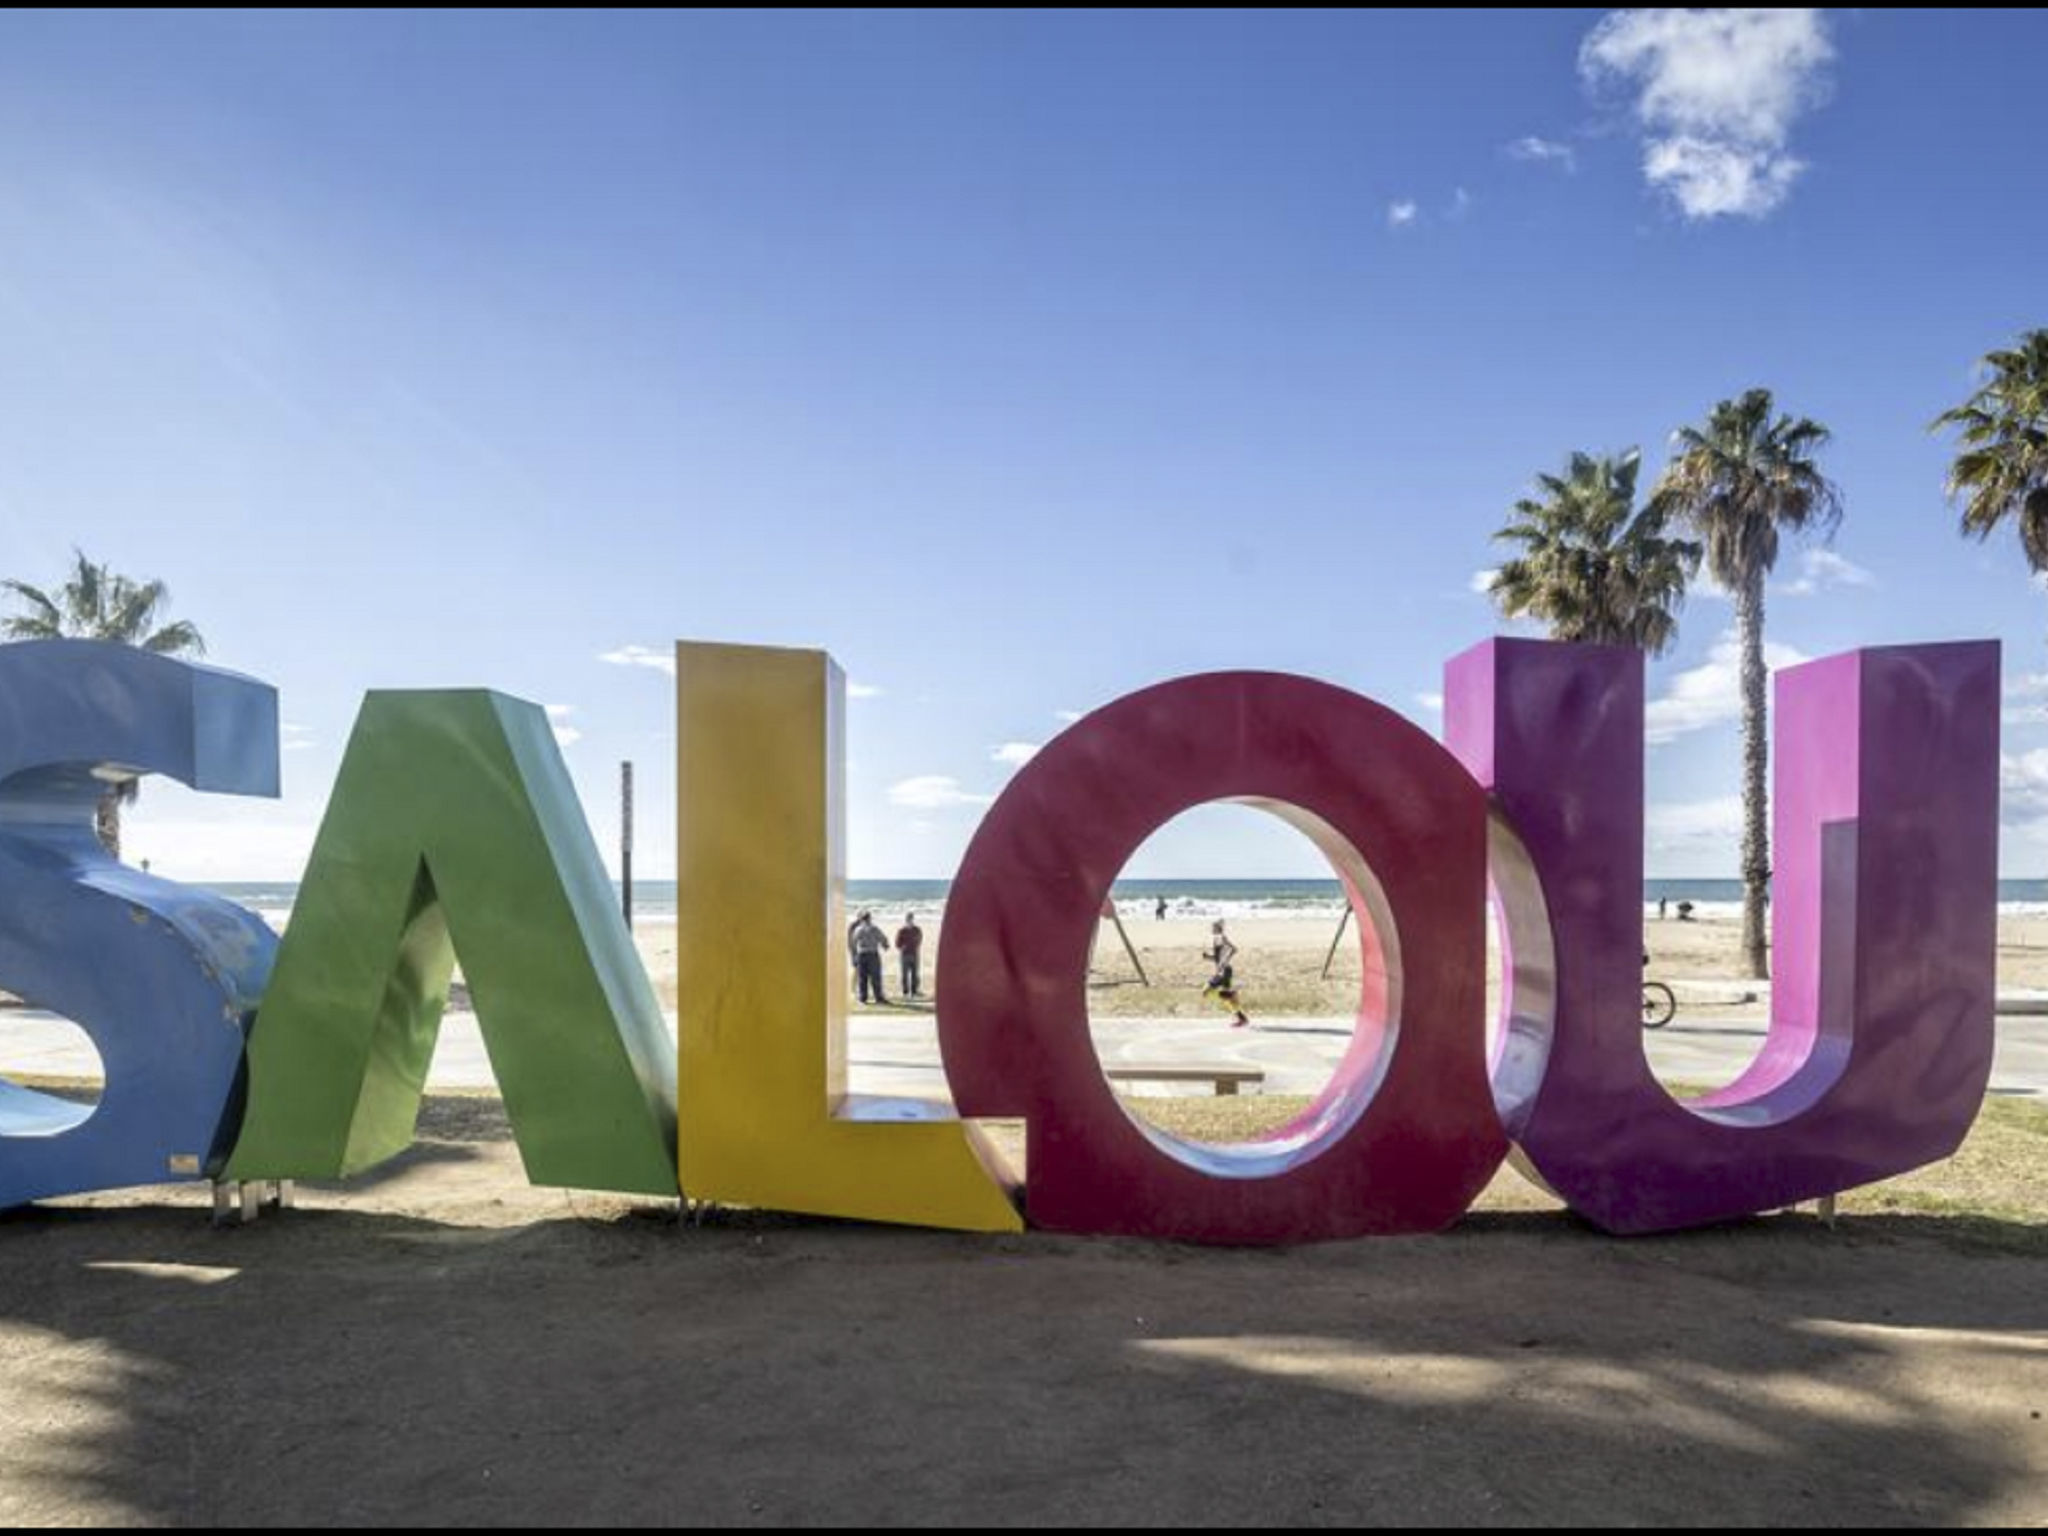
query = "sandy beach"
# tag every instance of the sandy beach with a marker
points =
(441, 1342)
(1280, 964)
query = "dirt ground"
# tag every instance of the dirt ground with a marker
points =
(441, 1344)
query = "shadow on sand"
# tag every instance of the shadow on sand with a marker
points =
(444, 1344)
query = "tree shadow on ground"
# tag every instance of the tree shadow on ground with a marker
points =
(459, 1348)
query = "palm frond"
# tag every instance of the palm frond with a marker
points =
(97, 603)
(85, 597)
(132, 609)
(1593, 568)
(1743, 481)
(2000, 471)
(179, 639)
(45, 623)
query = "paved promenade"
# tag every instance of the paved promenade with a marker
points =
(899, 1057)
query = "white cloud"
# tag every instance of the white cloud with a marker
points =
(1400, 215)
(1537, 151)
(1482, 581)
(933, 792)
(1831, 569)
(1066, 716)
(1015, 753)
(1717, 94)
(294, 738)
(1711, 181)
(1461, 204)
(1820, 569)
(558, 715)
(665, 662)
(1432, 702)
(2023, 788)
(642, 656)
(217, 850)
(2026, 699)
(1695, 826)
(1709, 694)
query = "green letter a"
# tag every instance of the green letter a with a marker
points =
(454, 830)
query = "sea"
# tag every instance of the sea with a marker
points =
(654, 901)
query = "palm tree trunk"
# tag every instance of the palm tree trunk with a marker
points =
(1756, 760)
(107, 821)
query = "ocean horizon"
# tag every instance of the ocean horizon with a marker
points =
(1238, 900)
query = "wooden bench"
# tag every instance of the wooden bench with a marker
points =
(1226, 1079)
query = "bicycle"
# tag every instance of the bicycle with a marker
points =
(1660, 1005)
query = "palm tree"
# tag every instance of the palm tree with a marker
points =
(2001, 464)
(1592, 567)
(1740, 482)
(97, 604)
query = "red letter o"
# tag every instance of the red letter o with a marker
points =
(1405, 1134)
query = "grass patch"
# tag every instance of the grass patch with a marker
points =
(1992, 1196)
(1244, 1117)
(1994, 1191)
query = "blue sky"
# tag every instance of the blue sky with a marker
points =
(1018, 360)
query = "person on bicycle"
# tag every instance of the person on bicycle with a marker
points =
(1660, 1003)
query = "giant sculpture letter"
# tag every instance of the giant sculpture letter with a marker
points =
(454, 832)
(161, 976)
(1884, 928)
(1404, 1135)
(761, 941)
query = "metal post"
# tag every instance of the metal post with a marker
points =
(626, 840)
(1109, 911)
(1331, 958)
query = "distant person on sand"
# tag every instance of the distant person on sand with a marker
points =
(1223, 979)
(909, 945)
(867, 943)
(1160, 911)
(1662, 903)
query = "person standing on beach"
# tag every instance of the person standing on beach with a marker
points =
(867, 943)
(1159, 911)
(909, 945)
(1223, 978)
